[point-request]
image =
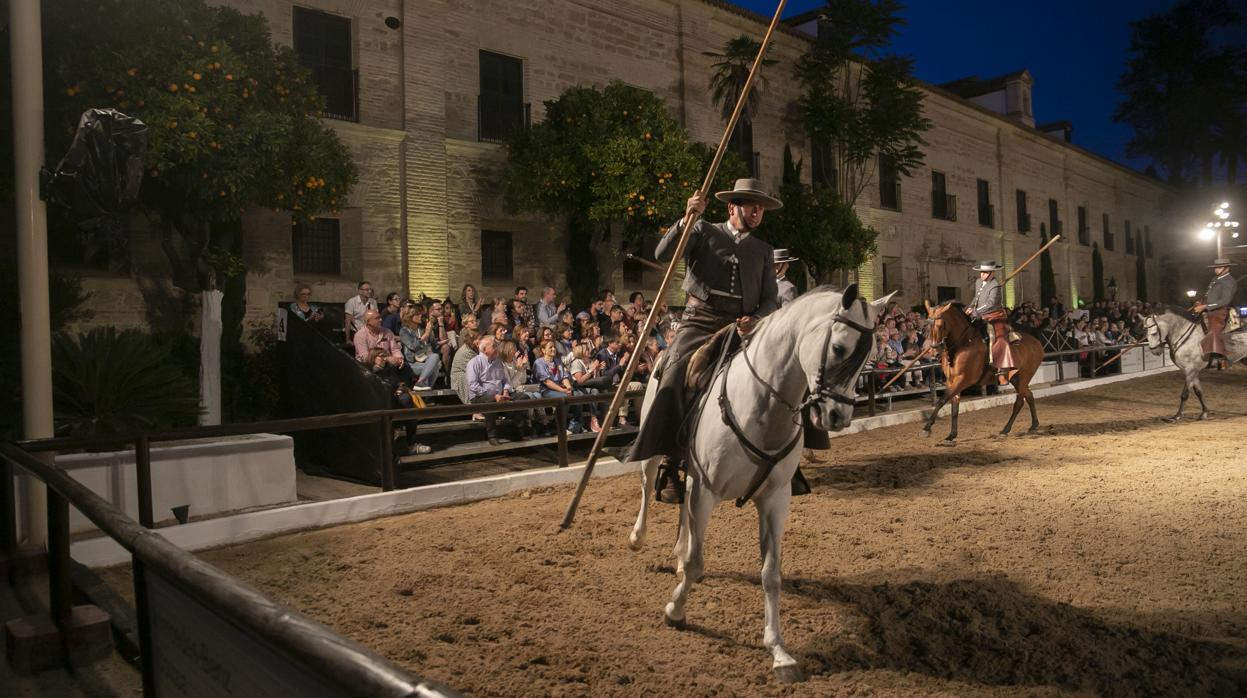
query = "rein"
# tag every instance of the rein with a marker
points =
(1173, 347)
(824, 390)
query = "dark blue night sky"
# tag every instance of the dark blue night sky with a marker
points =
(1075, 50)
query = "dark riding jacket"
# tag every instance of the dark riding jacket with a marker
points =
(718, 265)
(1220, 292)
(987, 297)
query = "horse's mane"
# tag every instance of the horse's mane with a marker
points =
(1182, 313)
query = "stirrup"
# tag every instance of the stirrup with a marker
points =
(668, 486)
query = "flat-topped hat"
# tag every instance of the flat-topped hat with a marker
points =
(1221, 262)
(781, 256)
(750, 190)
(987, 265)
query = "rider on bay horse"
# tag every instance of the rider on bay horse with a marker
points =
(987, 305)
(729, 279)
(1218, 300)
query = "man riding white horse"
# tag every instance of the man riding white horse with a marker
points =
(729, 279)
(988, 305)
(1218, 302)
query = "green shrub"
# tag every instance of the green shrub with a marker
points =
(107, 381)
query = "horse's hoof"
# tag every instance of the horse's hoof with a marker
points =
(789, 673)
(672, 622)
(947, 443)
(1171, 420)
(1004, 433)
(1203, 416)
(926, 433)
(636, 541)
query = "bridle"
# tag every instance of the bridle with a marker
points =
(1151, 323)
(961, 338)
(825, 389)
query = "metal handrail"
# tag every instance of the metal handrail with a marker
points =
(356, 669)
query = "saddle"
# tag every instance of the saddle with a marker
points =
(701, 365)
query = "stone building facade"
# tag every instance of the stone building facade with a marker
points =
(426, 81)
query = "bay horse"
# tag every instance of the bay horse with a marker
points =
(964, 361)
(1184, 333)
(807, 354)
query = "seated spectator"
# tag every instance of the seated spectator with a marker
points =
(636, 300)
(564, 338)
(414, 337)
(613, 358)
(390, 318)
(470, 303)
(303, 308)
(441, 336)
(523, 337)
(450, 316)
(649, 359)
(583, 372)
(500, 331)
(356, 306)
(583, 322)
(547, 311)
(487, 382)
(516, 364)
(458, 367)
(371, 337)
(555, 381)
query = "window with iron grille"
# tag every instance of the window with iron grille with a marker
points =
(1129, 238)
(741, 143)
(496, 256)
(943, 204)
(1108, 233)
(823, 165)
(1024, 218)
(987, 214)
(501, 108)
(1084, 233)
(316, 247)
(323, 44)
(889, 185)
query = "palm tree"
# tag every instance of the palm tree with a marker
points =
(730, 72)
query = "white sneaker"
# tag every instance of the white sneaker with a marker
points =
(419, 449)
(421, 388)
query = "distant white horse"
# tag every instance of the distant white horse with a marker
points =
(745, 434)
(1184, 334)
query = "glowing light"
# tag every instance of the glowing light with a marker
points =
(1190, 293)
(1225, 204)
(1206, 234)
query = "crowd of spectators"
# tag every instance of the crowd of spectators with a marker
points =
(500, 349)
(503, 349)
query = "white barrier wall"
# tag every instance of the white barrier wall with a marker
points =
(222, 475)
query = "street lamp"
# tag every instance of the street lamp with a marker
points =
(1220, 221)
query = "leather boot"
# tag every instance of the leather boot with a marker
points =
(669, 487)
(800, 485)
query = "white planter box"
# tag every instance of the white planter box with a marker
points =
(211, 477)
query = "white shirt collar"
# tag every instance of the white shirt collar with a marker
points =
(736, 234)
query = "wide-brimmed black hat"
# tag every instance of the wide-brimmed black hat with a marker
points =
(750, 190)
(781, 256)
(1221, 262)
(987, 265)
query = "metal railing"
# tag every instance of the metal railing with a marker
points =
(870, 376)
(306, 651)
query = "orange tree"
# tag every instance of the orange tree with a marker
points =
(231, 126)
(603, 159)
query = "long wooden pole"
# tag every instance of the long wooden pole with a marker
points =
(676, 257)
(905, 368)
(1117, 358)
(1030, 259)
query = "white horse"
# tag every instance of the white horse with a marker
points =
(816, 346)
(1184, 334)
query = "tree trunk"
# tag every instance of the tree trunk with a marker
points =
(582, 264)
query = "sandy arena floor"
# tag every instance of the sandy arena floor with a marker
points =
(1105, 556)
